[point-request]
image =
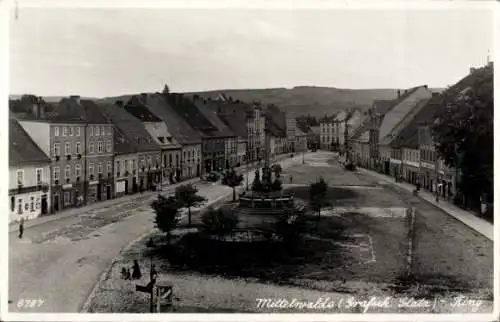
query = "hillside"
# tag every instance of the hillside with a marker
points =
(316, 101)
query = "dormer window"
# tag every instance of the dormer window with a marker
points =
(161, 139)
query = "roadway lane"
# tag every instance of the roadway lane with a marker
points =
(59, 262)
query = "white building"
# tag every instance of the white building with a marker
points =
(29, 176)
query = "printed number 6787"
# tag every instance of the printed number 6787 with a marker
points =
(30, 303)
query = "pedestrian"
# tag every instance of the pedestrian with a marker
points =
(136, 270)
(127, 274)
(21, 228)
(124, 273)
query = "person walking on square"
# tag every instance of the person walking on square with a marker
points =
(136, 270)
(21, 228)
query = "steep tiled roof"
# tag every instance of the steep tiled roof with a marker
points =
(402, 108)
(299, 132)
(22, 149)
(316, 129)
(192, 115)
(130, 129)
(209, 111)
(237, 122)
(408, 137)
(177, 125)
(137, 107)
(93, 113)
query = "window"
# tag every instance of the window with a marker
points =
(32, 204)
(56, 173)
(157, 161)
(142, 162)
(67, 171)
(108, 146)
(67, 148)
(65, 131)
(91, 167)
(12, 203)
(177, 160)
(91, 147)
(126, 165)
(99, 167)
(99, 146)
(20, 177)
(39, 176)
(91, 129)
(110, 130)
(169, 160)
(78, 170)
(97, 131)
(77, 147)
(164, 160)
(71, 131)
(117, 166)
(57, 149)
(109, 166)
(77, 131)
(102, 131)
(149, 161)
(56, 131)
(20, 206)
(133, 165)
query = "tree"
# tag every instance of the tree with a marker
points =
(219, 221)
(318, 195)
(463, 133)
(233, 180)
(187, 196)
(167, 214)
(276, 168)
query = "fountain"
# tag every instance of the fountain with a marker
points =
(260, 210)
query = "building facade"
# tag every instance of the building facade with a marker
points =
(29, 176)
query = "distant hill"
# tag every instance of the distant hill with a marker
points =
(303, 100)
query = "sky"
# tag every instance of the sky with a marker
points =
(106, 52)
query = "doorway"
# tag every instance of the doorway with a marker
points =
(56, 202)
(126, 186)
(108, 192)
(134, 184)
(44, 204)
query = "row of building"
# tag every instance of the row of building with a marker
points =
(78, 151)
(394, 137)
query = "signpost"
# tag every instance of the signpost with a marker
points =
(164, 293)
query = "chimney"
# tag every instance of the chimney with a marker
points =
(75, 98)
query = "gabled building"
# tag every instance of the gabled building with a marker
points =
(99, 150)
(213, 141)
(238, 125)
(328, 132)
(59, 130)
(182, 132)
(396, 118)
(208, 109)
(360, 143)
(133, 149)
(167, 168)
(29, 176)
